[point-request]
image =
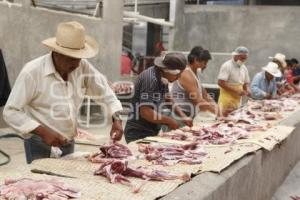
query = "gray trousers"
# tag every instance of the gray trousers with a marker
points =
(35, 149)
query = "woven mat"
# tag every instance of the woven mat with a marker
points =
(222, 157)
(268, 139)
(102, 190)
(83, 171)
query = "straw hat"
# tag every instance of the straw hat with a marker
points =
(280, 58)
(272, 68)
(71, 41)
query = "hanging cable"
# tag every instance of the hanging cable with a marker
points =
(7, 157)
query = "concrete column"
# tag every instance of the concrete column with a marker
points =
(113, 10)
(177, 17)
(113, 20)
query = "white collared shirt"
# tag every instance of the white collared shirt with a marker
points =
(41, 97)
(232, 73)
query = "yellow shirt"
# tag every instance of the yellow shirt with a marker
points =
(41, 96)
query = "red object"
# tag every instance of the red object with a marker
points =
(126, 64)
(290, 76)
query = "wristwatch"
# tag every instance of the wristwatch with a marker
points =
(116, 116)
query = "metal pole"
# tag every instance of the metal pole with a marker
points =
(148, 19)
(135, 6)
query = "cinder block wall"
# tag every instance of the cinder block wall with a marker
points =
(265, 30)
(22, 29)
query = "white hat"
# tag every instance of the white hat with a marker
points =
(272, 68)
(72, 41)
(280, 58)
(240, 51)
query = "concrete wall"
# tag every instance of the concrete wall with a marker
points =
(22, 28)
(265, 30)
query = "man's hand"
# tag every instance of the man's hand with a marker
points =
(116, 132)
(50, 137)
(269, 96)
(188, 121)
(242, 93)
(248, 93)
(172, 124)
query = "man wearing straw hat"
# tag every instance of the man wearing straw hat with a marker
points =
(49, 90)
(233, 80)
(263, 85)
(279, 59)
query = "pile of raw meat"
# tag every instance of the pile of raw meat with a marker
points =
(28, 189)
(274, 105)
(219, 133)
(256, 112)
(296, 97)
(117, 171)
(172, 154)
(122, 87)
(110, 151)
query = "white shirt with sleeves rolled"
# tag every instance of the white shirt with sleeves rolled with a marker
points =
(41, 97)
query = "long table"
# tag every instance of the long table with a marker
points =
(252, 177)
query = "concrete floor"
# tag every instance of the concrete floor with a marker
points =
(290, 187)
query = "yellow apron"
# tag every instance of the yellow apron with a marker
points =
(228, 101)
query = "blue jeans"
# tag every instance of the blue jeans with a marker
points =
(35, 149)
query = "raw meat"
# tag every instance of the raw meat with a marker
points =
(172, 154)
(275, 105)
(271, 116)
(81, 134)
(219, 133)
(112, 151)
(123, 87)
(117, 171)
(28, 189)
(295, 197)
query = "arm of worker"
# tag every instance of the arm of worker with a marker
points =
(296, 78)
(274, 90)
(98, 87)
(147, 113)
(190, 85)
(15, 116)
(294, 87)
(185, 119)
(247, 89)
(256, 92)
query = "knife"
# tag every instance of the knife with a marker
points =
(37, 171)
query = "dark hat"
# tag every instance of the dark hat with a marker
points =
(294, 61)
(173, 60)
